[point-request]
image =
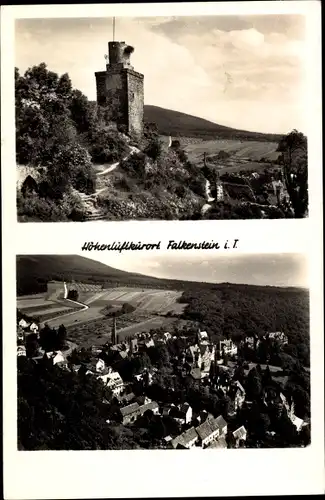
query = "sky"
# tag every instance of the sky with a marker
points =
(255, 269)
(246, 72)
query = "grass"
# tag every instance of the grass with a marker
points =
(239, 150)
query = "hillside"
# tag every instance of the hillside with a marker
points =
(175, 123)
(33, 273)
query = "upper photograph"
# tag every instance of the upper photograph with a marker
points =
(161, 118)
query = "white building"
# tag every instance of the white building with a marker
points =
(21, 350)
(34, 328)
(100, 366)
(56, 356)
(23, 323)
(113, 381)
(228, 347)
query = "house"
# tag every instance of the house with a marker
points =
(218, 443)
(130, 413)
(33, 328)
(203, 415)
(121, 349)
(202, 336)
(222, 424)
(182, 414)
(240, 435)
(133, 411)
(185, 440)
(278, 336)
(228, 347)
(56, 357)
(21, 350)
(23, 323)
(100, 366)
(166, 409)
(186, 412)
(208, 431)
(237, 393)
(113, 381)
(151, 405)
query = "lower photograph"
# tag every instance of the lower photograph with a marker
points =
(163, 351)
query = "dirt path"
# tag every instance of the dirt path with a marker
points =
(89, 200)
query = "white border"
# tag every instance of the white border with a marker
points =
(29, 475)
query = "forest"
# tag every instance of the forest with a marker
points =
(237, 311)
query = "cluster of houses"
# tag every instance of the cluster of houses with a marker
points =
(24, 328)
(197, 359)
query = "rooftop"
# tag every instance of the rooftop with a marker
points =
(129, 409)
(240, 433)
(221, 422)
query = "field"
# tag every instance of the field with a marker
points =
(147, 302)
(151, 300)
(240, 152)
(91, 326)
(43, 309)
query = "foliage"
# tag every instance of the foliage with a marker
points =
(71, 165)
(237, 311)
(293, 149)
(33, 208)
(105, 144)
(73, 295)
(59, 410)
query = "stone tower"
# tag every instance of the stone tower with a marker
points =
(120, 88)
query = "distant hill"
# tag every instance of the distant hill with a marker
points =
(34, 271)
(175, 123)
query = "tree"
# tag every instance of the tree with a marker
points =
(61, 337)
(294, 159)
(253, 384)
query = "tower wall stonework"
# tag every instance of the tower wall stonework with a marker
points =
(121, 90)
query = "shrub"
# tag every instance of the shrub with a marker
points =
(71, 165)
(105, 145)
(153, 149)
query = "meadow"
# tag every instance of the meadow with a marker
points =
(239, 150)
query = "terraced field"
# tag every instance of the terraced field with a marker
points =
(148, 303)
(151, 300)
(239, 150)
(44, 309)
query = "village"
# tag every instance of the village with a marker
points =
(144, 376)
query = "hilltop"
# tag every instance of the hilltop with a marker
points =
(176, 123)
(33, 273)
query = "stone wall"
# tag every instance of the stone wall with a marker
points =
(135, 92)
(121, 90)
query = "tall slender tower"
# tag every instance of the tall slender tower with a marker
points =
(120, 89)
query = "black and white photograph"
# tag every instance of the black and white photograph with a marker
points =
(162, 118)
(201, 352)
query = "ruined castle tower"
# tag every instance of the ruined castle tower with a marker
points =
(120, 89)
